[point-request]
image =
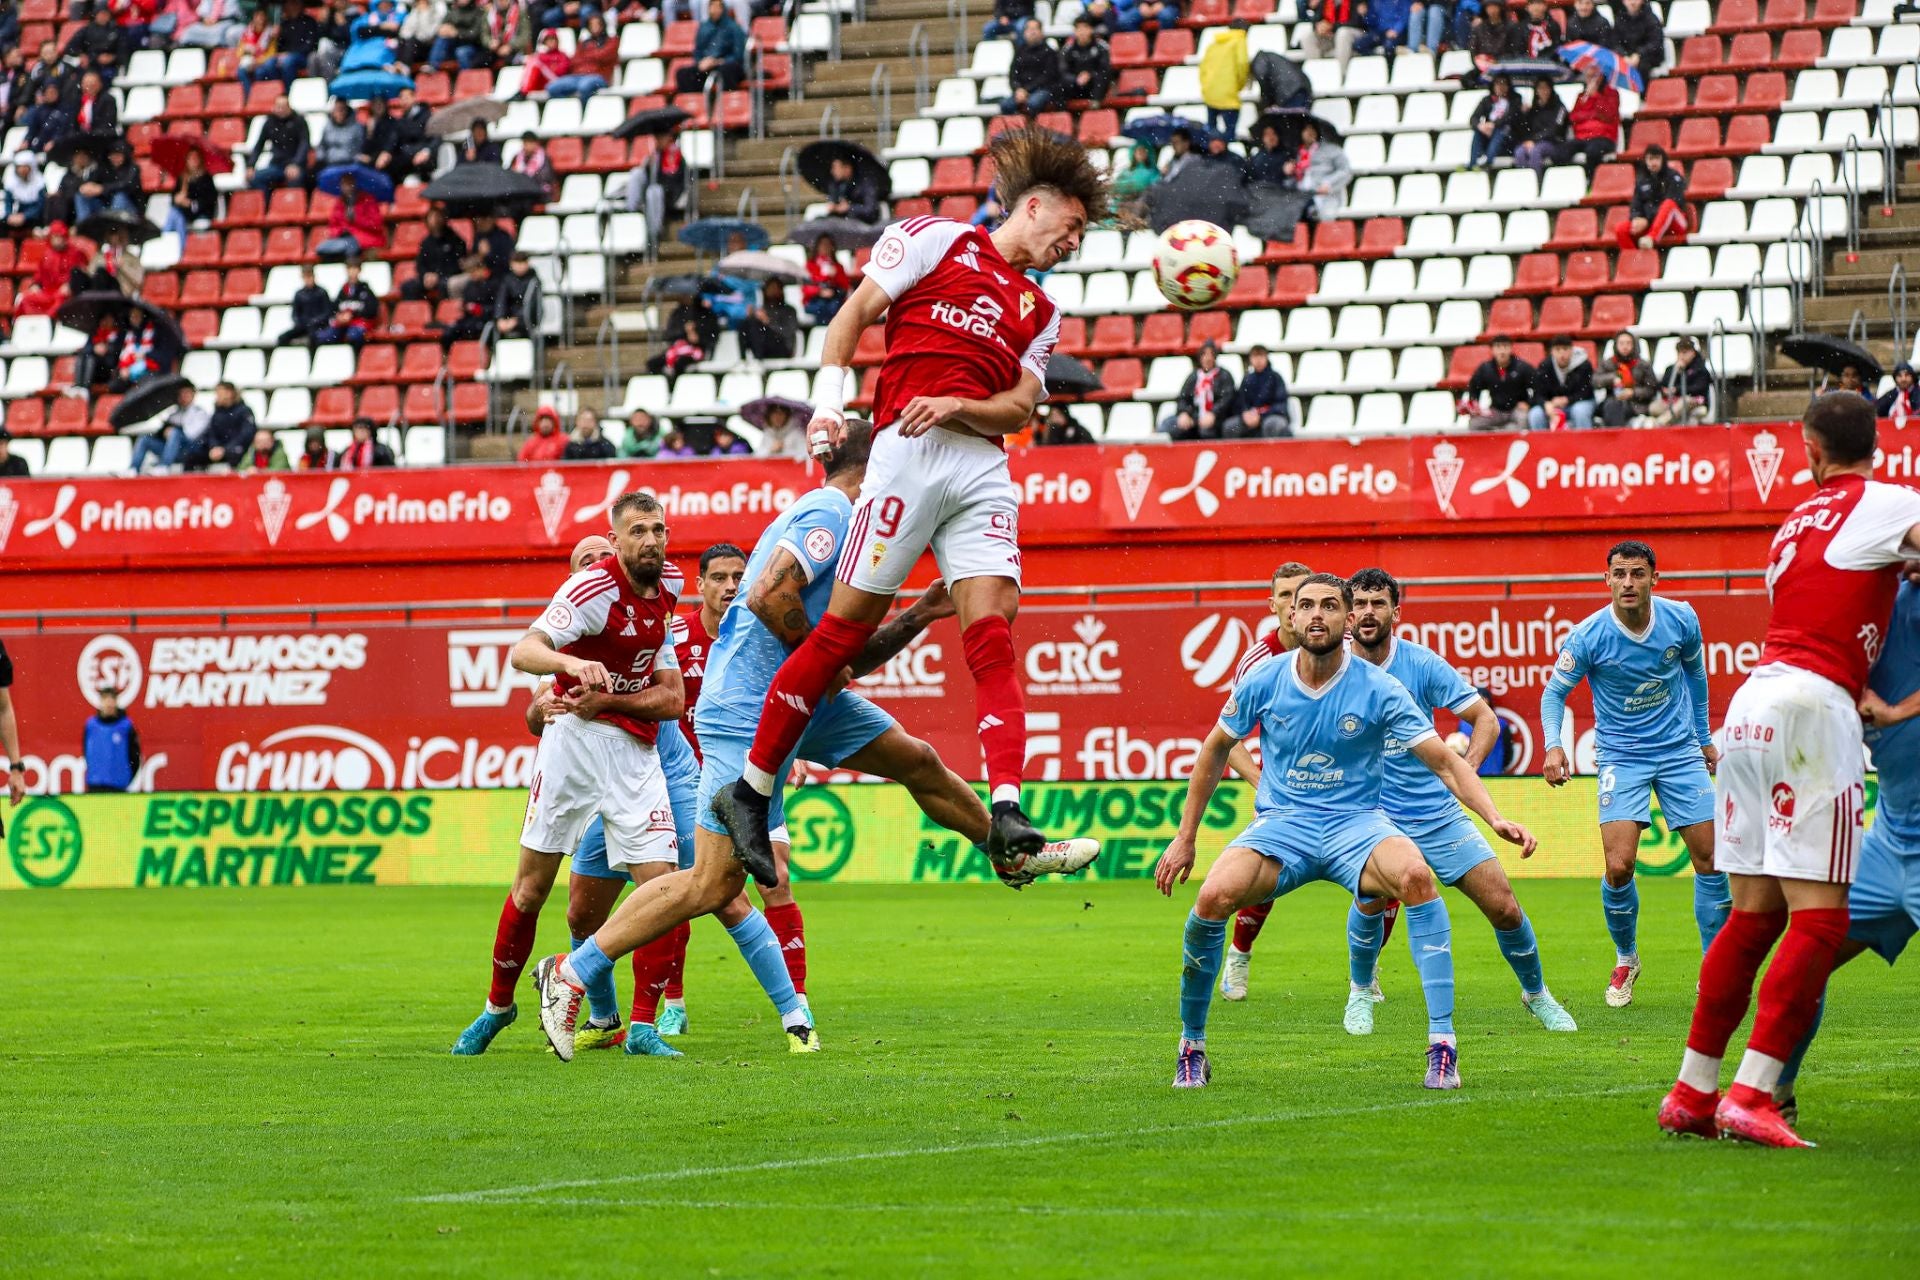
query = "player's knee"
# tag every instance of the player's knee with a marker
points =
(1504, 912)
(1216, 902)
(529, 894)
(583, 921)
(733, 911)
(1416, 883)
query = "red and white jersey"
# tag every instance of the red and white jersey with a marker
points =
(1267, 646)
(1831, 580)
(598, 615)
(691, 644)
(963, 322)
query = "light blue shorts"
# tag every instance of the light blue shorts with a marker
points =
(682, 772)
(1452, 846)
(1885, 899)
(838, 730)
(1311, 846)
(1685, 787)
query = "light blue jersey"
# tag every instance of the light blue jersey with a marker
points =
(1649, 690)
(1414, 796)
(1885, 899)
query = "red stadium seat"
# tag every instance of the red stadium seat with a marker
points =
(1648, 133)
(1709, 179)
(1162, 334)
(959, 208)
(1172, 48)
(1128, 49)
(184, 101)
(1784, 15)
(1135, 82)
(27, 417)
(423, 404)
(198, 327)
(1800, 49)
(244, 247)
(244, 209)
(1510, 316)
(677, 40)
(1334, 240)
(1290, 250)
(1698, 55)
(287, 206)
(1750, 51)
(605, 155)
(382, 404)
(469, 402)
(1766, 91)
(260, 98)
(68, 417)
(433, 88)
(239, 286)
(1073, 336)
(422, 363)
(100, 422)
(162, 289)
(409, 319)
(1060, 122)
(1636, 270)
(226, 98)
(872, 347)
(1112, 336)
(1737, 15)
(1664, 97)
(201, 289)
(284, 247)
(1586, 272)
(378, 363)
(1612, 312)
(1834, 13)
(567, 154)
(1206, 13)
(952, 176)
(1293, 284)
(1612, 184)
(475, 83)
(1098, 128)
(1209, 326)
(1699, 136)
(1381, 236)
(333, 407)
(1461, 365)
(1537, 273)
(1715, 94)
(1120, 379)
(1561, 315)
(1747, 134)
(202, 250)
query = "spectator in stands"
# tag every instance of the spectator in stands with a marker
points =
(1132, 183)
(719, 48)
(674, 445)
(1588, 24)
(356, 225)
(96, 45)
(546, 442)
(1206, 400)
(1321, 169)
(586, 444)
(26, 193)
(78, 196)
(1902, 400)
(698, 310)
(595, 62)
(827, 282)
(1686, 389)
(12, 467)
(1336, 26)
(545, 65)
(279, 158)
(1180, 144)
(216, 25)
(726, 444)
(643, 436)
(1851, 383)
(1223, 74)
(1658, 212)
(398, 138)
(1386, 27)
(686, 350)
(1267, 162)
(461, 38)
(1562, 389)
(257, 45)
(1153, 15)
(53, 278)
(771, 330)
(1008, 17)
(1427, 26)
(46, 121)
(26, 79)
(230, 429)
(110, 744)
(1543, 32)
(138, 358)
(1493, 122)
(510, 30)
(119, 180)
(437, 261)
(93, 364)
(1088, 63)
(1263, 407)
(343, 139)
(516, 307)
(533, 161)
(266, 454)
(784, 436)
(850, 193)
(1639, 37)
(92, 107)
(1036, 77)
(115, 265)
(479, 293)
(1060, 427)
(1495, 38)
(195, 201)
(298, 38)
(134, 18)
(1596, 122)
(336, 37)
(179, 434)
(314, 455)
(362, 451)
(1541, 131)
(493, 242)
(479, 148)
(312, 310)
(1506, 381)
(657, 184)
(1628, 379)
(420, 28)
(355, 308)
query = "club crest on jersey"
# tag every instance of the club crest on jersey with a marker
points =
(1026, 304)
(1672, 652)
(1349, 725)
(891, 253)
(875, 556)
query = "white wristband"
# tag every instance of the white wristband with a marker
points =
(830, 390)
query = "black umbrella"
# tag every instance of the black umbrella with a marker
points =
(107, 221)
(1289, 123)
(94, 144)
(654, 121)
(710, 235)
(1822, 351)
(1158, 131)
(1212, 190)
(1531, 69)
(816, 164)
(1281, 81)
(1273, 211)
(463, 115)
(846, 233)
(467, 189)
(147, 400)
(1066, 376)
(685, 285)
(87, 311)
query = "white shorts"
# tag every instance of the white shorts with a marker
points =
(585, 768)
(1790, 796)
(948, 490)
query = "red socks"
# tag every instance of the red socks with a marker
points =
(1248, 924)
(802, 681)
(1003, 716)
(1389, 917)
(676, 987)
(512, 944)
(1726, 978)
(1791, 991)
(792, 932)
(651, 965)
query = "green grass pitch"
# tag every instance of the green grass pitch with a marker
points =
(257, 1082)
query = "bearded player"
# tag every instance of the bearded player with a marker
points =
(968, 338)
(1789, 809)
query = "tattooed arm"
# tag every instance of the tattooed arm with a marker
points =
(898, 632)
(775, 599)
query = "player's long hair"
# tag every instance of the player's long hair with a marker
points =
(1034, 159)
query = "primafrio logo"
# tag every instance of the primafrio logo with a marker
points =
(1196, 488)
(109, 660)
(1089, 663)
(308, 757)
(1517, 492)
(1764, 456)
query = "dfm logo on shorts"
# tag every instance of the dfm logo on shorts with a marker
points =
(1089, 664)
(1780, 817)
(980, 321)
(1315, 771)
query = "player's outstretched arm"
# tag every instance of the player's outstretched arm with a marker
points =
(1176, 864)
(534, 654)
(839, 381)
(1486, 731)
(664, 698)
(1472, 792)
(1241, 761)
(1568, 670)
(998, 415)
(774, 598)
(898, 632)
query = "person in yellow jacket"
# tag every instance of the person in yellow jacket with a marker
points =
(1223, 74)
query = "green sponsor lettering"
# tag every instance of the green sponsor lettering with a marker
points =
(227, 861)
(383, 816)
(935, 859)
(155, 865)
(193, 868)
(44, 843)
(367, 854)
(1127, 858)
(975, 865)
(419, 818)
(331, 862)
(159, 818)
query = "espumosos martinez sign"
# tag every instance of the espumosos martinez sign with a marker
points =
(869, 834)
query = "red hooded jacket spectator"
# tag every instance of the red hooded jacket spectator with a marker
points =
(1597, 114)
(597, 56)
(548, 441)
(49, 290)
(365, 223)
(546, 65)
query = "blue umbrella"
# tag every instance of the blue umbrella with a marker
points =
(709, 235)
(1580, 55)
(371, 181)
(1157, 131)
(358, 86)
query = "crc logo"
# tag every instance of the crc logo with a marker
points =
(1088, 664)
(44, 843)
(109, 660)
(821, 830)
(914, 672)
(1211, 650)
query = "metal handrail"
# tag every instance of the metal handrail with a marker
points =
(1850, 182)
(785, 174)
(1797, 239)
(1757, 328)
(962, 41)
(1889, 155)
(1816, 218)
(756, 93)
(830, 114)
(920, 57)
(1717, 364)
(443, 397)
(1897, 305)
(747, 207)
(606, 343)
(880, 88)
(711, 94)
(512, 424)
(563, 372)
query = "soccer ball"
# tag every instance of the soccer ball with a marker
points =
(1195, 264)
(1458, 743)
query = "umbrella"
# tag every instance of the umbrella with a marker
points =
(846, 233)
(1530, 69)
(709, 235)
(1211, 190)
(147, 400)
(94, 144)
(1580, 54)
(170, 153)
(1282, 83)
(1820, 351)
(471, 188)
(1066, 376)
(372, 181)
(654, 120)
(1289, 123)
(358, 86)
(107, 221)
(87, 311)
(463, 115)
(1157, 131)
(816, 164)
(1273, 211)
(749, 265)
(755, 411)
(683, 285)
